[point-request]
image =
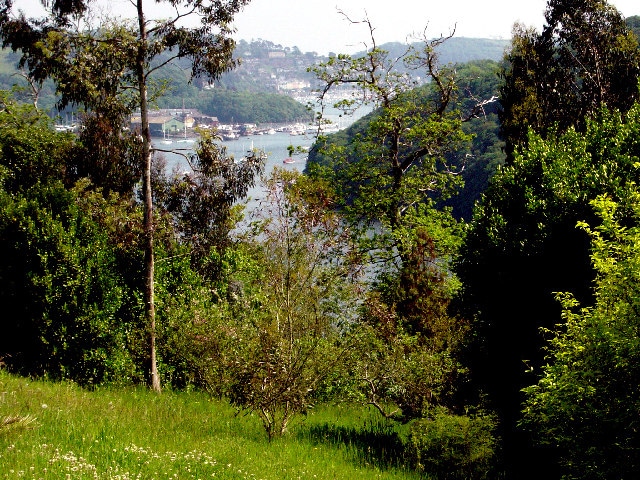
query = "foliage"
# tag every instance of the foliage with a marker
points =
(101, 140)
(585, 402)
(409, 361)
(477, 81)
(201, 203)
(451, 447)
(523, 245)
(297, 303)
(585, 57)
(191, 351)
(61, 284)
(65, 295)
(400, 159)
(32, 153)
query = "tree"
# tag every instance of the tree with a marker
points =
(523, 246)
(409, 361)
(400, 159)
(52, 48)
(201, 203)
(399, 165)
(585, 57)
(476, 80)
(63, 293)
(585, 402)
(297, 302)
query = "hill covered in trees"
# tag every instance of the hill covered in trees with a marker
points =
(260, 90)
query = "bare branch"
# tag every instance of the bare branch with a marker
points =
(478, 109)
(33, 85)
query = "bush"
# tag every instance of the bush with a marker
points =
(453, 447)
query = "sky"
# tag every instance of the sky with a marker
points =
(317, 25)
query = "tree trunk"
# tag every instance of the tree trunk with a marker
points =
(150, 311)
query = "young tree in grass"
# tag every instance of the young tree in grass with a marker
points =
(299, 301)
(109, 70)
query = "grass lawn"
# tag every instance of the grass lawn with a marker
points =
(57, 431)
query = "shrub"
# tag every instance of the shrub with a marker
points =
(453, 447)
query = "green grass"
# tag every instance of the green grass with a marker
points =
(58, 431)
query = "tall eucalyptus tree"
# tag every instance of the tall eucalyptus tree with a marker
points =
(106, 65)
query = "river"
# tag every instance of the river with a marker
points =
(275, 146)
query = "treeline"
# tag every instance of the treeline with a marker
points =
(233, 106)
(500, 323)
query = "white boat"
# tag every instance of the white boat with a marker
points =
(165, 140)
(185, 139)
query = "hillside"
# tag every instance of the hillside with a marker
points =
(458, 49)
(57, 430)
(264, 69)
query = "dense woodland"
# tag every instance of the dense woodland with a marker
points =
(464, 259)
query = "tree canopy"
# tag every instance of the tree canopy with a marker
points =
(585, 403)
(585, 57)
(523, 245)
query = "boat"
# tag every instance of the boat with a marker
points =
(165, 140)
(185, 139)
(288, 160)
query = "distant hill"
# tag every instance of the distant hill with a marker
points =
(458, 49)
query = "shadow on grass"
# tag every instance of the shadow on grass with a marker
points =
(374, 444)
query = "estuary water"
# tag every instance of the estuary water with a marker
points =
(274, 146)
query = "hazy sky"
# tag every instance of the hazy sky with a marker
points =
(316, 25)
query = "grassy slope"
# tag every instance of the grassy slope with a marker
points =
(127, 434)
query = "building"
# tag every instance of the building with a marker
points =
(171, 122)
